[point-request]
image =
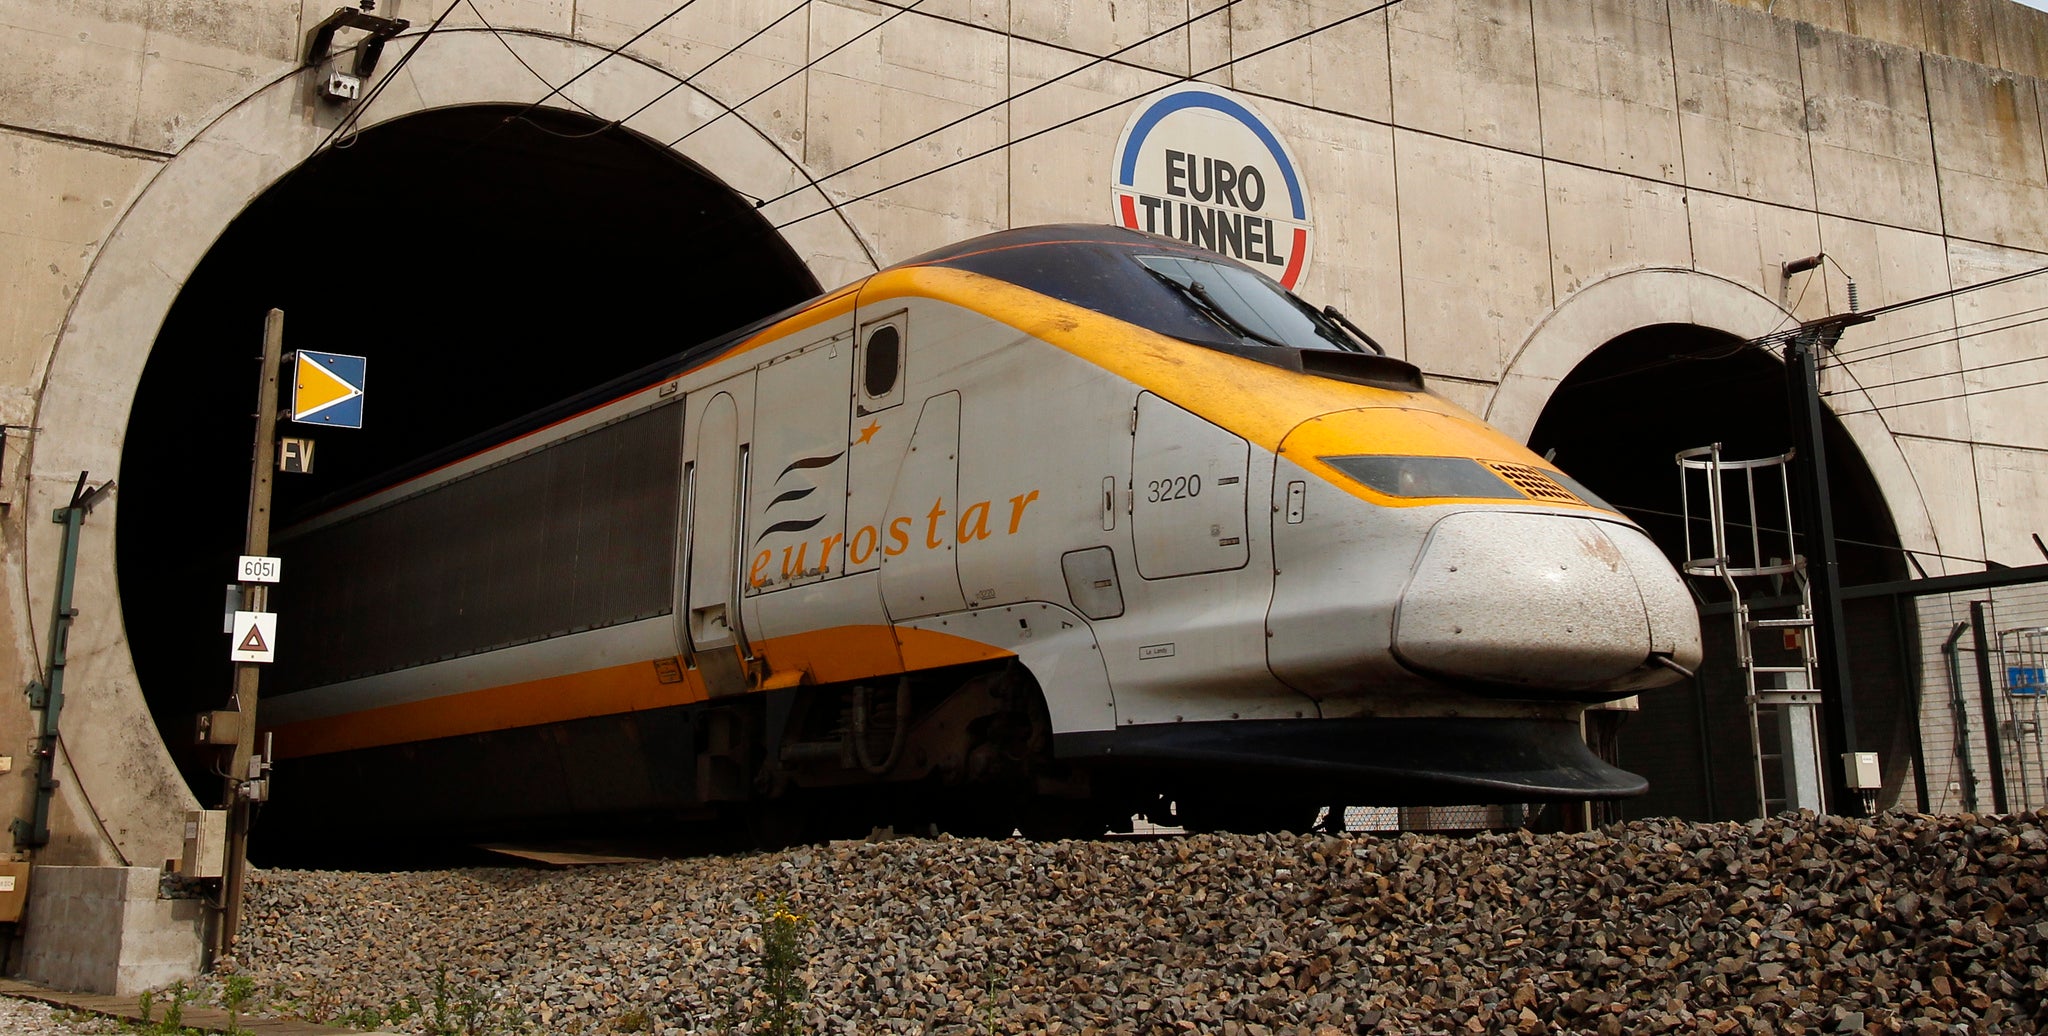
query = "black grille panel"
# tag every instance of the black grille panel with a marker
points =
(1532, 482)
(573, 536)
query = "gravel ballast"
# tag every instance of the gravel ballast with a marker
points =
(1798, 924)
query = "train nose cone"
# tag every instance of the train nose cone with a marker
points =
(1577, 607)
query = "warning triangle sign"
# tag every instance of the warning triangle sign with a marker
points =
(316, 388)
(254, 637)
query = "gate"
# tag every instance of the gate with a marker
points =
(1982, 646)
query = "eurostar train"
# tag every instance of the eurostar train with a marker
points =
(1049, 529)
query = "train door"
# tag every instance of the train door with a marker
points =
(877, 436)
(920, 568)
(716, 473)
(1187, 493)
(796, 531)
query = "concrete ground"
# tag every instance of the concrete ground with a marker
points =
(129, 1009)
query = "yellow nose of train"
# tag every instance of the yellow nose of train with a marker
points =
(1546, 603)
(1414, 529)
(1443, 602)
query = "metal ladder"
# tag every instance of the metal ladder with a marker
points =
(1788, 695)
(2023, 661)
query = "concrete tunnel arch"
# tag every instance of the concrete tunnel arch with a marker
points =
(1615, 381)
(121, 794)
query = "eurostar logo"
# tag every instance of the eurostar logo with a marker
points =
(795, 495)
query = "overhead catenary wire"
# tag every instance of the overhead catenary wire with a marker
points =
(1967, 393)
(1781, 336)
(1634, 509)
(554, 90)
(1865, 389)
(1184, 23)
(1777, 337)
(1860, 387)
(523, 63)
(1953, 292)
(816, 182)
(688, 79)
(1091, 113)
(1722, 353)
(799, 70)
(1957, 373)
(1953, 339)
(1843, 354)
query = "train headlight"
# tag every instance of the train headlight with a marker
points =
(1425, 476)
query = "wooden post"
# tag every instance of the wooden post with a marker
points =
(255, 598)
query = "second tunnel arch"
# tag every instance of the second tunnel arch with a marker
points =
(1615, 383)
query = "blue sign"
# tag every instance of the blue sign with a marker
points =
(327, 389)
(2026, 681)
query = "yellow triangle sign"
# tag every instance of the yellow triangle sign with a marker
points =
(318, 388)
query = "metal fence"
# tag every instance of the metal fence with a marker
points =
(1980, 737)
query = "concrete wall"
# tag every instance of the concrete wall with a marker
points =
(1500, 187)
(105, 930)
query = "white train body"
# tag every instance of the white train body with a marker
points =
(946, 541)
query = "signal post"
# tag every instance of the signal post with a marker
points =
(244, 782)
(326, 389)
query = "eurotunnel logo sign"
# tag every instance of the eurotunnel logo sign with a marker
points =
(1196, 163)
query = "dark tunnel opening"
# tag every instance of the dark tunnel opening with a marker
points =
(484, 265)
(1616, 424)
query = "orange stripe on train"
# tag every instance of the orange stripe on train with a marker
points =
(834, 655)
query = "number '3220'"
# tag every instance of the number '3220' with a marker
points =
(1178, 487)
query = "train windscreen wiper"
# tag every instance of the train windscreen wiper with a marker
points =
(1357, 333)
(1207, 303)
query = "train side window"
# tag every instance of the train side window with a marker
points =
(881, 363)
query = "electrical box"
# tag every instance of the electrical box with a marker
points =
(222, 727)
(206, 839)
(1861, 771)
(341, 87)
(13, 890)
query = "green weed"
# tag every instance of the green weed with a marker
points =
(235, 994)
(775, 1007)
(782, 960)
(174, 1011)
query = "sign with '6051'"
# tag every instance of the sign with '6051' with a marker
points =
(254, 569)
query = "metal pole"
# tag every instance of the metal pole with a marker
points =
(1699, 701)
(1959, 713)
(1987, 689)
(255, 598)
(1919, 702)
(47, 695)
(1830, 645)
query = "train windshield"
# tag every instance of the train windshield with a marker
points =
(1159, 284)
(1248, 305)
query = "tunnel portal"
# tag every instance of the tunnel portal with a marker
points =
(486, 260)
